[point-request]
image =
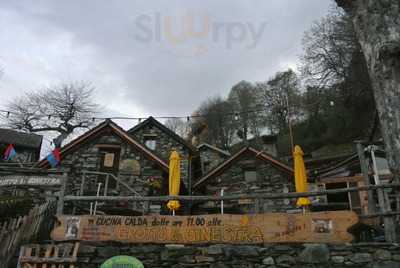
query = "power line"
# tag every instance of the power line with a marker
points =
(9, 113)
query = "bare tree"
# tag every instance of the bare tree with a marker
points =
(178, 126)
(333, 66)
(328, 49)
(216, 123)
(61, 109)
(278, 94)
(245, 101)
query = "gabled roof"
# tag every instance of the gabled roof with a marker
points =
(155, 122)
(206, 145)
(23, 139)
(108, 124)
(230, 161)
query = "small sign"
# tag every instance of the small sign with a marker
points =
(109, 160)
(245, 201)
(22, 180)
(321, 226)
(122, 262)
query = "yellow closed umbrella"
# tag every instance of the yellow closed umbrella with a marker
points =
(174, 180)
(300, 176)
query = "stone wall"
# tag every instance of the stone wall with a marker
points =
(164, 145)
(247, 256)
(210, 159)
(268, 179)
(88, 158)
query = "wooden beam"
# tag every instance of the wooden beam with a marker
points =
(229, 197)
(380, 214)
(341, 179)
(60, 204)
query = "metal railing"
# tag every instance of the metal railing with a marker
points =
(107, 178)
(106, 182)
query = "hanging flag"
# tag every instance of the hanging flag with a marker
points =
(54, 158)
(9, 153)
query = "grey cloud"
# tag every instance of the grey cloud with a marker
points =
(95, 41)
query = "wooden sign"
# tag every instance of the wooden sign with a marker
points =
(236, 229)
(109, 160)
(22, 180)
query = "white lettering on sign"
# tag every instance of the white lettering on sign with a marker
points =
(29, 181)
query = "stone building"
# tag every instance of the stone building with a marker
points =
(211, 156)
(161, 141)
(247, 171)
(27, 145)
(135, 162)
(108, 149)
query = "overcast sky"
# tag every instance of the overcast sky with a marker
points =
(143, 57)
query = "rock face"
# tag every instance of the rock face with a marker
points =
(377, 26)
(238, 256)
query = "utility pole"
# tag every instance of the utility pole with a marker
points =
(289, 122)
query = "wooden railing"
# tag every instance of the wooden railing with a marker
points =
(60, 256)
(25, 229)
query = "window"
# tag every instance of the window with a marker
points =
(150, 140)
(250, 175)
(150, 143)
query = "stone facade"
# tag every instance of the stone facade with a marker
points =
(140, 173)
(250, 175)
(247, 256)
(210, 158)
(164, 143)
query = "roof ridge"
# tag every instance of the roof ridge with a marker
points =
(258, 154)
(151, 119)
(225, 152)
(122, 133)
(21, 138)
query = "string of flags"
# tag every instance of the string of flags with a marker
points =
(54, 158)
(235, 114)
